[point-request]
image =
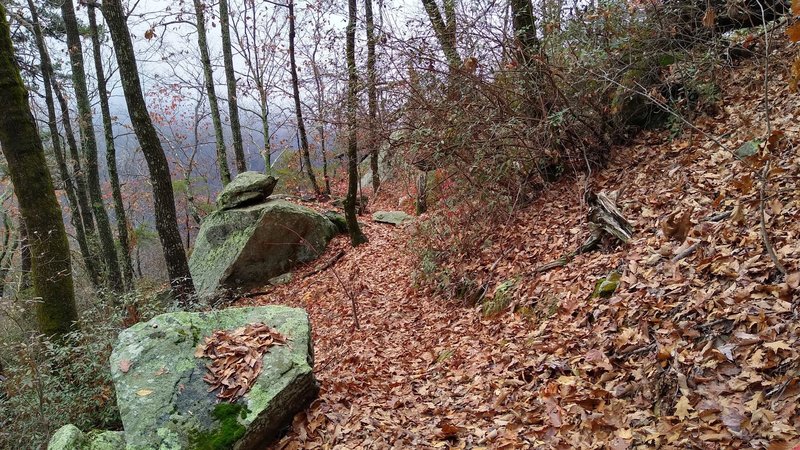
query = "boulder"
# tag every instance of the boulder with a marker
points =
(392, 217)
(246, 189)
(248, 246)
(337, 219)
(70, 437)
(165, 404)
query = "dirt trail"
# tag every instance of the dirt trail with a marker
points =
(415, 369)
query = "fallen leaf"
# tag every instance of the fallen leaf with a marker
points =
(124, 365)
(682, 408)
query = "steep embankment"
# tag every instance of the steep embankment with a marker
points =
(698, 348)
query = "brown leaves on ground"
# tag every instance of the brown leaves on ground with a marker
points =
(236, 358)
(701, 351)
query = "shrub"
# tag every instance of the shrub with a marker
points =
(52, 383)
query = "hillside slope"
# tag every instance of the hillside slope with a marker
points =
(699, 347)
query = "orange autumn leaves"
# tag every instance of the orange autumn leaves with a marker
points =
(236, 358)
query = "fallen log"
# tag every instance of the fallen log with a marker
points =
(604, 219)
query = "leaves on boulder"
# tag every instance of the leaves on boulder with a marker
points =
(236, 358)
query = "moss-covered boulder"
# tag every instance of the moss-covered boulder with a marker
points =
(337, 219)
(246, 189)
(165, 404)
(391, 217)
(70, 437)
(247, 246)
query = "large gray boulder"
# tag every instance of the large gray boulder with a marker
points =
(165, 404)
(247, 246)
(392, 217)
(247, 188)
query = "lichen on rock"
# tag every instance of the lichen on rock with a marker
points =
(164, 401)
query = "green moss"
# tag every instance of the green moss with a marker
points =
(228, 432)
(503, 295)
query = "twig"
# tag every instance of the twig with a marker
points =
(687, 252)
(587, 246)
(763, 221)
(636, 351)
(714, 323)
(720, 216)
(327, 265)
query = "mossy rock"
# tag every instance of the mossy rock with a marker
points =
(165, 404)
(605, 287)
(247, 246)
(392, 217)
(70, 437)
(337, 219)
(246, 189)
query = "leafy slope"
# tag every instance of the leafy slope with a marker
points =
(701, 351)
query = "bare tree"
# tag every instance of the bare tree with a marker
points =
(160, 178)
(356, 236)
(111, 153)
(301, 127)
(230, 79)
(51, 270)
(208, 74)
(58, 150)
(89, 145)
(372, 96)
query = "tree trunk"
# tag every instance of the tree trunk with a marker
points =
(89, 146)
(75, 160)
(356, 236)
(230, 79)
(208, 75)
(51, 271)
(163, 197)
(322, 150)
(320, 122)
(301, 128)
(58, 151)
(265, 130)
(25, 263)
(538, 100)
(422, 193)
(372, 97)
(445, 32)
(111, 154)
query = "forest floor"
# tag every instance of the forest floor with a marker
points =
(699, 347)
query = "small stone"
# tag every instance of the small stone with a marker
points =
(281, 279)
(749, 148)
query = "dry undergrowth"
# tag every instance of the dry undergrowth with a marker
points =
(698, 348)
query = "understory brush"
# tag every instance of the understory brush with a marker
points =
(487, 138)
(51, 383)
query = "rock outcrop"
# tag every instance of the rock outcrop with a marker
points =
(252, 238)
(246, 246)
(246, 189)
(165, 404)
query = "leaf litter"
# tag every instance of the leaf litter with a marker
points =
(699, 346)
